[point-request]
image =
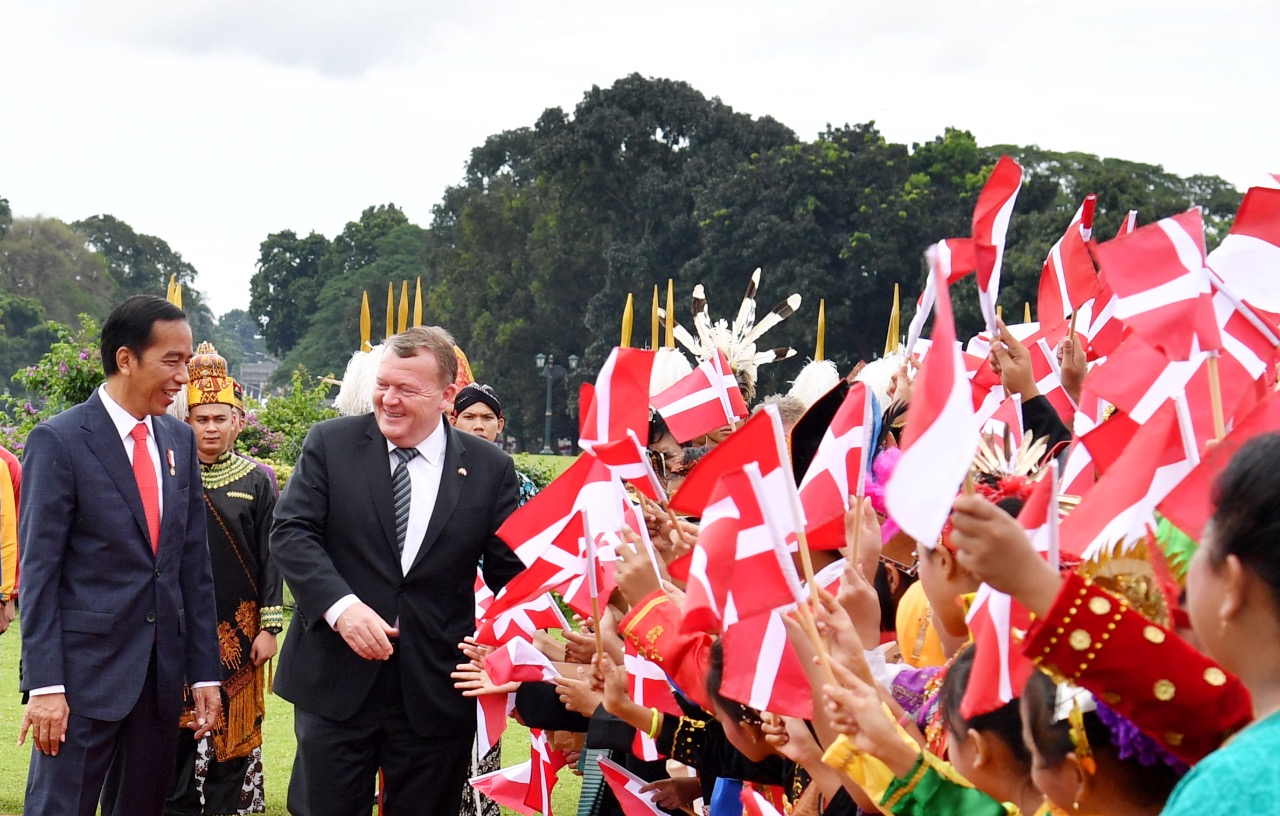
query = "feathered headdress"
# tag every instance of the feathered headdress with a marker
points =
(737, 342)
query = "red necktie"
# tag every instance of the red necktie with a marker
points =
(144, 470)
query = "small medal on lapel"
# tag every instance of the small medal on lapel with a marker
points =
(462, 471)
(173, 469)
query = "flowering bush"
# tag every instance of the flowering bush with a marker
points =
(66, 375)
(257, 440)
(305, 403)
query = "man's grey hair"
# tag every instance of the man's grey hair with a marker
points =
(432, 340)
(790, 408)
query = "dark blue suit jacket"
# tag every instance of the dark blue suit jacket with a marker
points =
(94, 597)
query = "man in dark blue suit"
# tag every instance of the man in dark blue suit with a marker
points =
(117, 595)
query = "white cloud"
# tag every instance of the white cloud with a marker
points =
(212, 123)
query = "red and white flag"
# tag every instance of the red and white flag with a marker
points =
(545, 764)
(521, 621)
(1121, 504)
(555, 565)
(753, 804)
(1068, 279)
(1190, 504)
(647, 686)
(955, 258)
(1039, 516)
(629, 461)
(1248, 259)
(521, 662)
(621, 400)
(999, 668)
(491, 720)
(990, 225)
(626, 787)
(737, 570)
(756, 441)
(839, 466)
(941, 437)
(587, 486)
(507, 786)
(1162, 287)
(762, 669)
(707, 399)
(1128, 224)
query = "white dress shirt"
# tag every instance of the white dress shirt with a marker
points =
(425, 471)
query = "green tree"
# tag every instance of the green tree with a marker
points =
(6, 216)
(45, 260)
(283, 292)
(25, 334)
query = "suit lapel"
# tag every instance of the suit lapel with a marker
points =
(102, 438)
(450, 488)
(375, 463)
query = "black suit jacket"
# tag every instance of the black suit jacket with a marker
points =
(334, 534)
(95, 599)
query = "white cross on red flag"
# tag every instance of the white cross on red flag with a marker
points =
(705, 400)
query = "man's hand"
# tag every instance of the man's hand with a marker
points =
(46, 718)
(366, 632)
(580, 694)
(1012, 362)
(264, 648)
(208, 700)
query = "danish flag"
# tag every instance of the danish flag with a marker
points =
(1163, 290)
(762, 669)
(1248, 259)
(1068, 279)
(626, 787)
(648, 687)
(707, 399)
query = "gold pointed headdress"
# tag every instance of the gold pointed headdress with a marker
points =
(210, 383)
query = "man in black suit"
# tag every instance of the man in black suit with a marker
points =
(378, 534)
(117, 593)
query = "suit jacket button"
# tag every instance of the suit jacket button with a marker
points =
(400, 590)
(157, 573)
(151, 617)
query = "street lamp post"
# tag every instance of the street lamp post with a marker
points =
(551, 372)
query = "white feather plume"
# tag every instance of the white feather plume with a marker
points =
(878, 375)
(355, 397)
(669, 367)
(814, 380)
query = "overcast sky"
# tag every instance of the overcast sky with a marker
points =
(211, 123)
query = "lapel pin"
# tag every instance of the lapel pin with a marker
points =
(173, 469)
(462, 471)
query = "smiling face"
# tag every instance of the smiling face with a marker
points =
(147, 382)
(410, 396)
(215, 425)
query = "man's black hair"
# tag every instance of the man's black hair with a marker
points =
(129, 326)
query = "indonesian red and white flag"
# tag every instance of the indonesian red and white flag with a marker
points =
(522, 621)
(955, 257)
(738, 569)
(1006, 422)
(990, 225)
(1121, 504)
(762, 669)
(839, 466)
(999, 668)
(707, 399)
(1068, 279)
(1248, 259)
(941, 437)
(1128, 224)
(1163, 290)
(545, 764)
(1190, 504)
(626, 787)
(647, 686)
(507, 786)
(629, 461)
(621, 400)
(520, 661)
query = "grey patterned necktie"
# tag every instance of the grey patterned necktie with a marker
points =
(401, 492)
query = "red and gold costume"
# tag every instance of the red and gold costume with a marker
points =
(653, 627)
(1143, 671)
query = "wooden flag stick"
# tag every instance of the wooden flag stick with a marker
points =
(806, 563)
(968, 483)
(595, 627)
(811, 629)
(1071, 329)
(1215, 397)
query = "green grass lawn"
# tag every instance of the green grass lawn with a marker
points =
(278, 743)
